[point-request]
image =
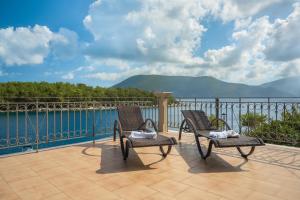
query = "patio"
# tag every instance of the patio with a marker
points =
(91, 172)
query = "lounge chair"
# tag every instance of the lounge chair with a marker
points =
(131, 119)
(198, 123)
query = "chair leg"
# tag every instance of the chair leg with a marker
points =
(181, 128)
(164, 154)
(115, 129)
(122, 146)
(207, 154)
(245, 155)
(126, 152)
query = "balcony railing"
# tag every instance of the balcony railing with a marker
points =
(29, 126)
(247, 115)
(26, 126)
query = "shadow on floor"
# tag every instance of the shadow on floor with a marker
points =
(111, 160)
(213, 164)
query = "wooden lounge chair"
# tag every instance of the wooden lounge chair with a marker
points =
(197, 122)
(131, 119)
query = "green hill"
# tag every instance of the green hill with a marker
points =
(205, 86)
(290, 85)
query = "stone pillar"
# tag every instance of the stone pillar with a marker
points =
(163, 110)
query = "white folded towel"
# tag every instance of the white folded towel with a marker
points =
(223, 134)
(143, 135)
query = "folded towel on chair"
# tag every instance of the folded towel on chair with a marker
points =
(143, 135)
(223, 134)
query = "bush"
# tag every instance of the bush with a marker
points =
(252, 120)
(285, 131)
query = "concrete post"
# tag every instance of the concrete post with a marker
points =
(163, 111)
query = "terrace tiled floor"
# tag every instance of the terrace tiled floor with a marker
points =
(98, 172)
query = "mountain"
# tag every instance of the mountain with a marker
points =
(290, 85)
(204, 86)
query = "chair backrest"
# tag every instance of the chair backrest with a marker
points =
(130, 117)
(199, 118)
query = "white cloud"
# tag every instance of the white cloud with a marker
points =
(261, 51)
(248, 45)
(67, 46)
(161, 37)
(156, 68)
(2, 73)
(31, 45)
(24, 45)
(284, 43)
(68, 76)
(78, 71)
(228, 10)
(104, 76)
(148, 31)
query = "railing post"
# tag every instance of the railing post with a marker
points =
(217, 111)
(163, 111)
(240, 115)
(37, 126)
(94, 123)
(269, 110)
(7, 126)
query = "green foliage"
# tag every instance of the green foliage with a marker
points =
(43, 91)
(253, 120)
(212, 119)
(285, 131)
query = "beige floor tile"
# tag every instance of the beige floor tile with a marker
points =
(39, 192)
(6, 192)
(230, 191)
(61, 180)
(159, 196)
(77, 187)
(196, 194)
(9, 196)
(27, 183)
(145, 178)
(58, 196)
(288, 193)
(18, 174)
(203, 183)
(169, 187)
(54, 172)
(98, 172)
(134, 192)
(261, 196)
(176, 175)
(115, 182)
(44, 166)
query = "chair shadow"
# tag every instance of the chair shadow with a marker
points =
(213, 164)
(111, 159)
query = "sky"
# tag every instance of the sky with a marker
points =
(102, 42)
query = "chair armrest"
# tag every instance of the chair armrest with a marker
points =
(218, 119)
(151, 121)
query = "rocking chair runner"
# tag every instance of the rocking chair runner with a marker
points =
(197, 122)
(131, 119)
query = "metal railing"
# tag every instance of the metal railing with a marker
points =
(263, 117)
(27, 126)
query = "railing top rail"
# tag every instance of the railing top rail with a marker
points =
(237, 97)
(72, 102)
(92, 97)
